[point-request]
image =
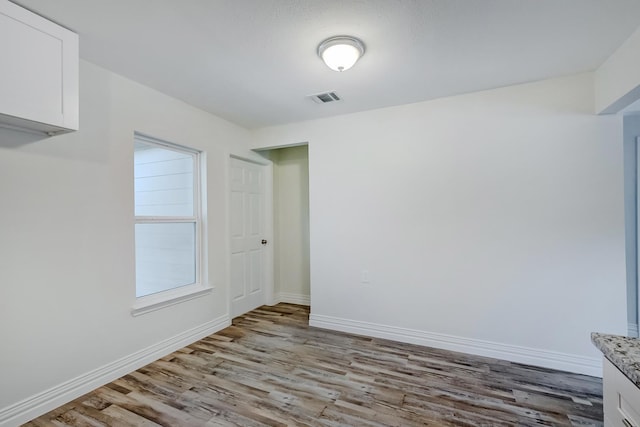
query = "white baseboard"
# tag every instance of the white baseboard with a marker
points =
(512, 353)
(41, 403)
(632, 330)
(294, 298)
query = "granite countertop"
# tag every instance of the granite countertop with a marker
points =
(623, 352)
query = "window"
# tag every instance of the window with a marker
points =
(168, 223)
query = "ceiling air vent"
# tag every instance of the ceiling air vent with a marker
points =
(323, 98)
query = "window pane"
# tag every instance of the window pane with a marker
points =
(165, 256)
(163, 181)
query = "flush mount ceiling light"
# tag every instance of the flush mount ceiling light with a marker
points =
(341, 52)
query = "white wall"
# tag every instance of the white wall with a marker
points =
(67, 248)
(617, 80)
(490, 222)
(291, 206)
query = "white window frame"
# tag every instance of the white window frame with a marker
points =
(201, 287)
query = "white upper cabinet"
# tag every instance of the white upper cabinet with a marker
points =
(38, 72)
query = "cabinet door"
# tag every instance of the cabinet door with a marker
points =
(621, 398)
(38, 68)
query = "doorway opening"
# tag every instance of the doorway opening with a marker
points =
(292, 282)
(631, 145)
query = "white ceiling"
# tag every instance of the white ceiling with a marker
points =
(254, 61)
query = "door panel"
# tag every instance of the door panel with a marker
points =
(236, 220)
(238, 282)
(247, 232)
(256, 215)
(256, 271)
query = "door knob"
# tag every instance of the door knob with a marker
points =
(264, 242)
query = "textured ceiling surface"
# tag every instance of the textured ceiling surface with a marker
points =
(253, 62)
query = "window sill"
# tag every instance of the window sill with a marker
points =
(160, 300)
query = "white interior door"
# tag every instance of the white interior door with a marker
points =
(247, 233)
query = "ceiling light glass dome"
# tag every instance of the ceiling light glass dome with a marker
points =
(341, 53)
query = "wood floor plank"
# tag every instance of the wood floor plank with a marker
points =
(271, 369)
(121, 417)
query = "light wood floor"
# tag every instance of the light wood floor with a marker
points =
(270, 368)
